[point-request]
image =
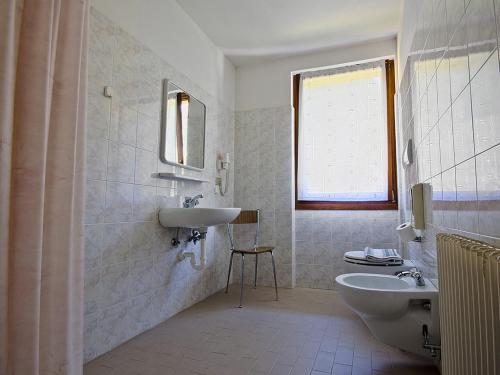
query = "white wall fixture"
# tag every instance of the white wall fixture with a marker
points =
(418, 205)
(199, 235)
(181, 177)
(182, 139)
(223, 165)
(198, 219)
(400, 311)
(408, 154)
(108, 91)
(406, 232)
(421, 213)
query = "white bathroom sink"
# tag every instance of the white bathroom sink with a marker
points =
(196, 217)
(382, 295)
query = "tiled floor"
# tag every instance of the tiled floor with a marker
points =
(309, 331)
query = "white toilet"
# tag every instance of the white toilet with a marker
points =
(355, 262)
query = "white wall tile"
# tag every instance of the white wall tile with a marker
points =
(133, 280)
(446, 147)
(462, 126)
(123, 127)
(97, 156)
(488, 187)
(147, 132)
(119, 202)
(115, 243)
(465, 186)
(481, 32)
(93, 245)
(94, 201)
(114, 284)
(459, 61)
(263, 153)
(121, 162)
(320, 255)
(146, 166)
(467, 196)
(485, 89)
(145, 203)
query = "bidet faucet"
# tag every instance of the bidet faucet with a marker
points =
(415, 273)
(191, 202)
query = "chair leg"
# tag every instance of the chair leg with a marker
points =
(229, 272)
(255, 277)
(274, 272)
(242, 278)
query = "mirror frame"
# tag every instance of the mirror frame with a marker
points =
(163, 127)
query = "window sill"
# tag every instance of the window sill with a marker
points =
(322, 205)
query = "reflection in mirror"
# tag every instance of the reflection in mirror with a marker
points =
(183, 128)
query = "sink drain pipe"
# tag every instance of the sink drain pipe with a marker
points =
(192, 255)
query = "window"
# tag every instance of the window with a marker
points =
(344, 137)
(177, 136)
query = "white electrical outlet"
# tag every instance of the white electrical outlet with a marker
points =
(108, 91)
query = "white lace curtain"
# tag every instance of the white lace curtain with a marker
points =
(343, 153)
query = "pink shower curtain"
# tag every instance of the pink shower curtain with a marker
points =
(42, 154)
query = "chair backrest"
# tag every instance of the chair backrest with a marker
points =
(246, 217)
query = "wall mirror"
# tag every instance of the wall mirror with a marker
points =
(182, 128)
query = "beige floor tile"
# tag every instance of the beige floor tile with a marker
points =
(339, 369)
(344, 356)
(307, 332)
(280, 369)
(361, 371)
(324, 362)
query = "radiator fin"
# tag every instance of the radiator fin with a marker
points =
(469, 302)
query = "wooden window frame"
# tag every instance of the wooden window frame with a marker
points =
(392, 203)
(178, 128)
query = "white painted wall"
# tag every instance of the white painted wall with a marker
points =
(268, 84)
(406, 32)
(164, 27)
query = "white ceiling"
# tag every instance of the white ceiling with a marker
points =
(250, 31)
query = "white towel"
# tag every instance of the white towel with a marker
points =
(388, 256)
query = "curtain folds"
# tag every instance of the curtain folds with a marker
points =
(42, 156)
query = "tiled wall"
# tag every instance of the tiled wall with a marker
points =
(448, 101)
(310, 244)
(132, 278)
(263, 178)
(322, 238)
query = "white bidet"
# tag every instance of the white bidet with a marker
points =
(394, 309)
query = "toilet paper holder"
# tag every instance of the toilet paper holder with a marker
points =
(407, 233)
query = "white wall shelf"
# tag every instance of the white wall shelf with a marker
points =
(179, 177)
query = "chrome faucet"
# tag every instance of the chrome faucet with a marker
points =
(415, 273)
(191, 202)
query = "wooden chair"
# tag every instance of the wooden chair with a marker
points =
(249, 217)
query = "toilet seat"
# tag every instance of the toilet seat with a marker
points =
(355, 262)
